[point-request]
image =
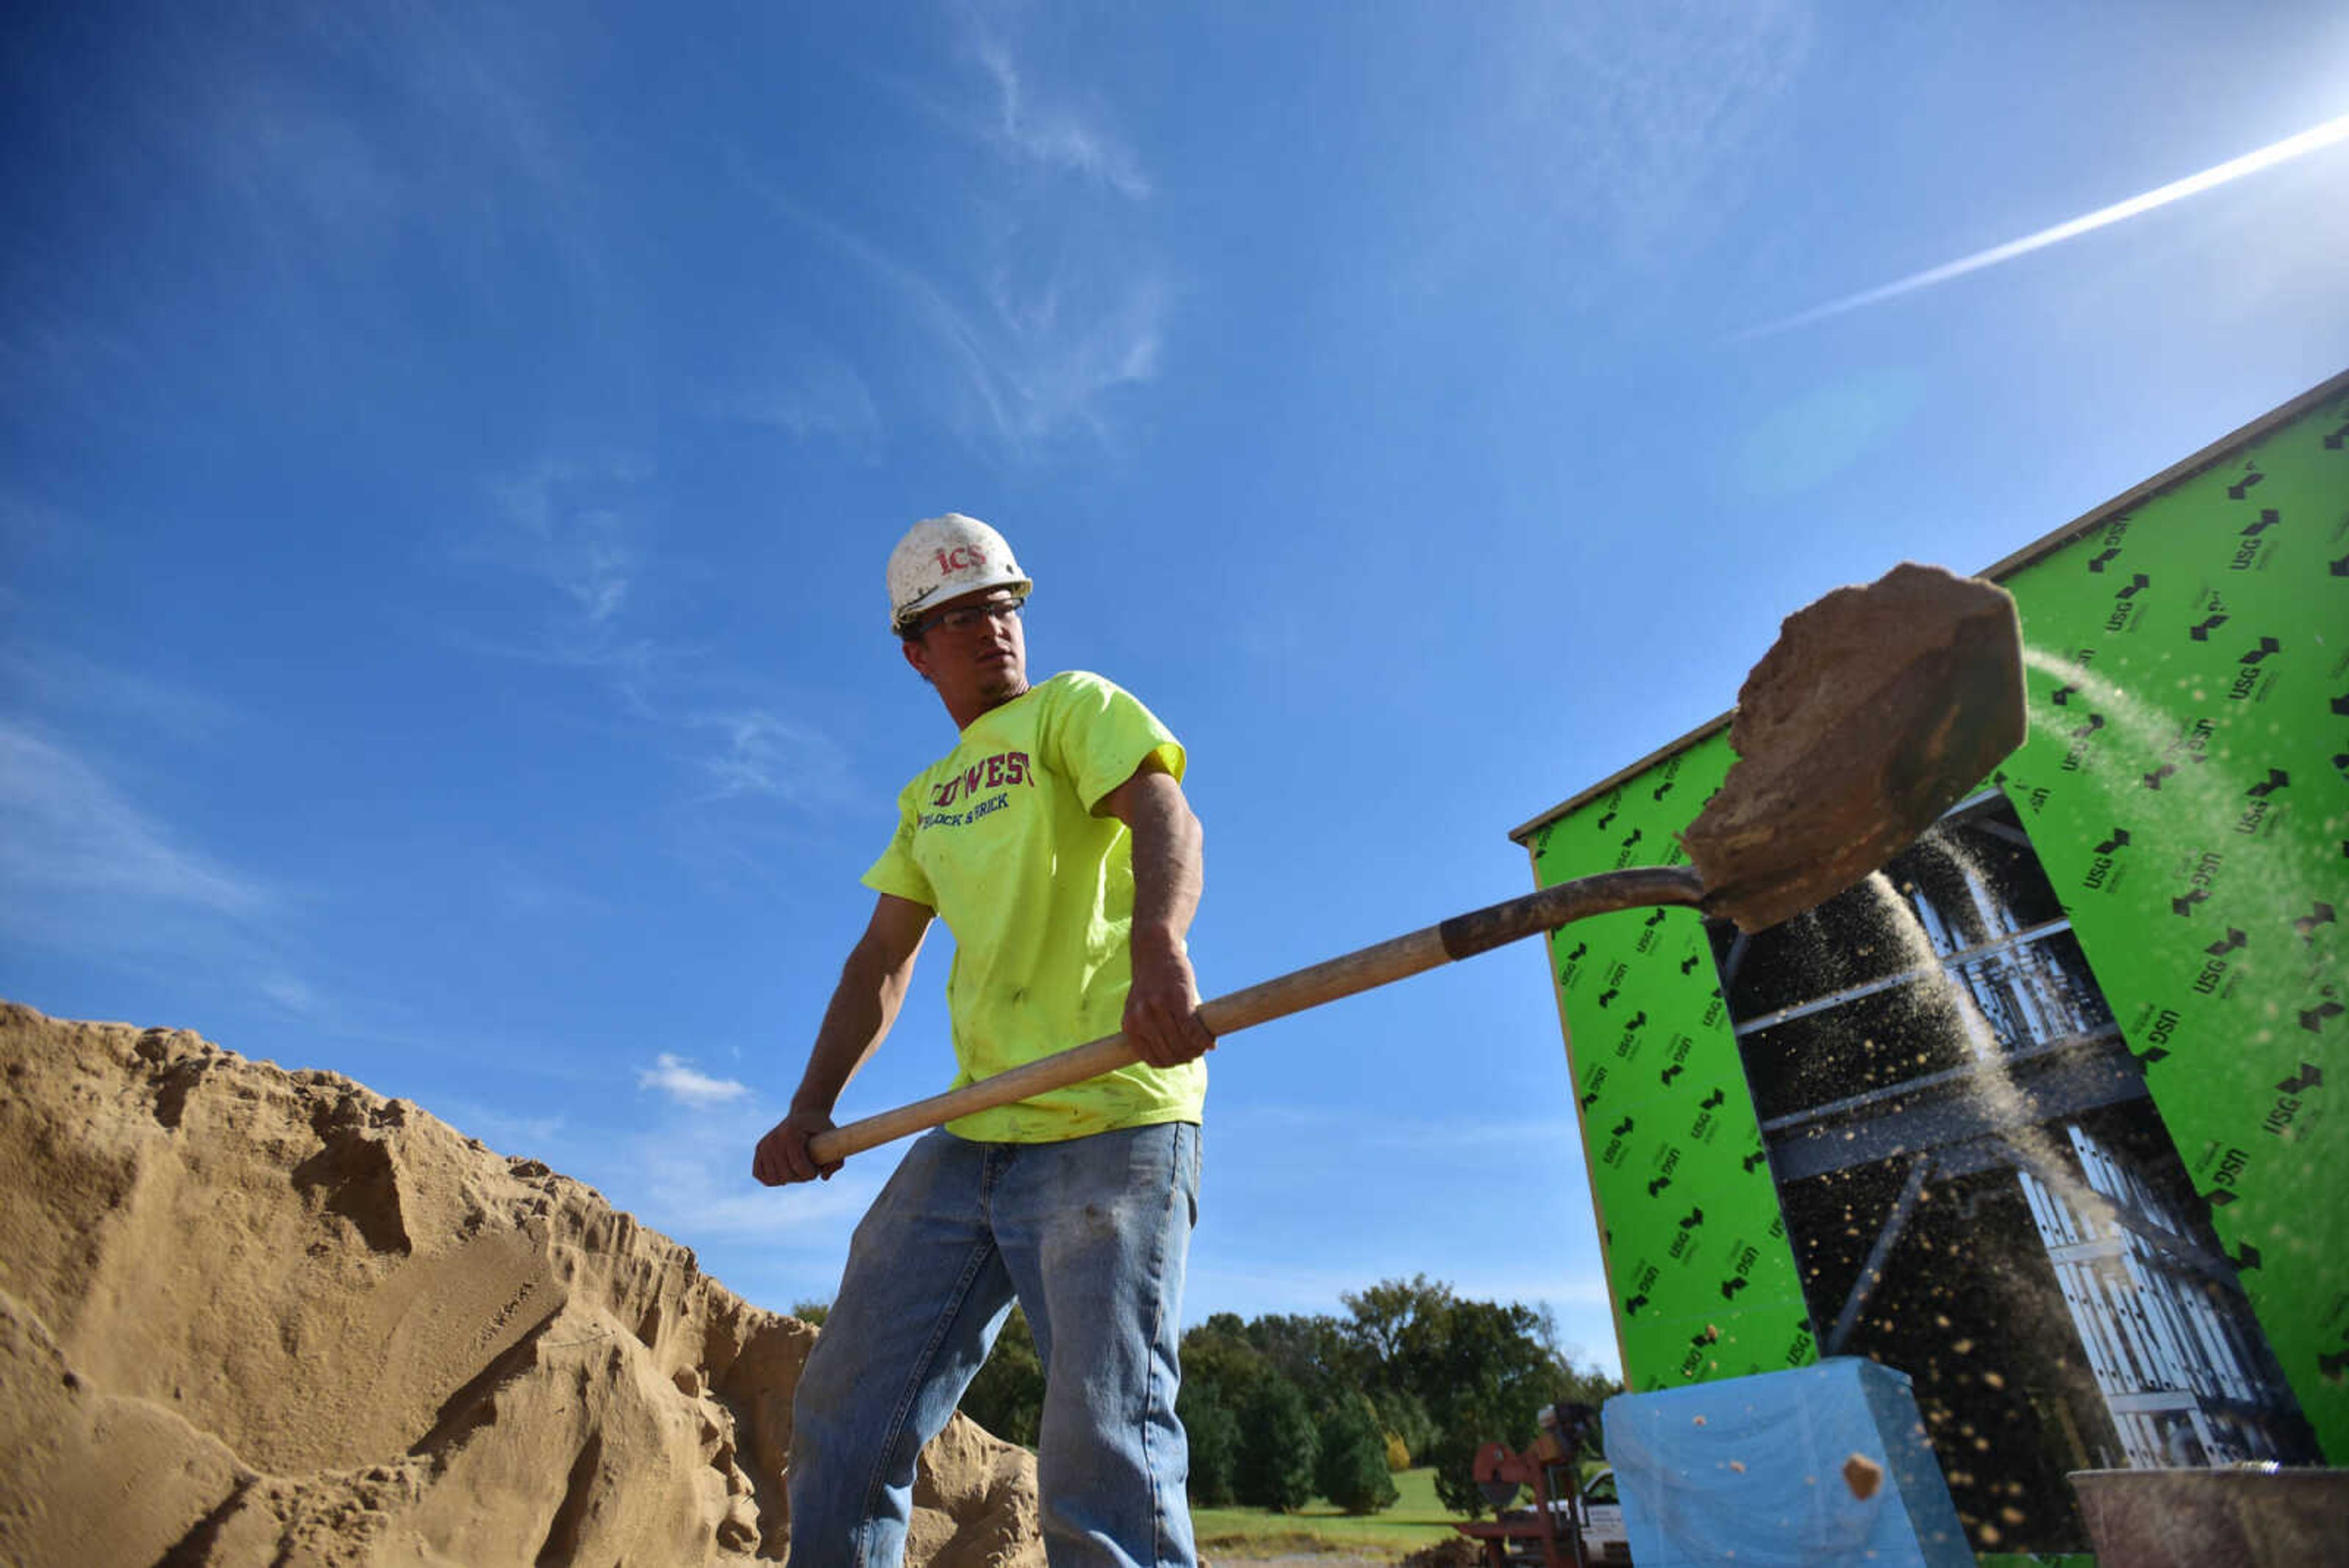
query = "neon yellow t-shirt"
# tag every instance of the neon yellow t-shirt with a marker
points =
(998, 836)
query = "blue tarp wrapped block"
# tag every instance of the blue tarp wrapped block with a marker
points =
(1749, 1471)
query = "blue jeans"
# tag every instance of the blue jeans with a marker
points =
(1090, 1235)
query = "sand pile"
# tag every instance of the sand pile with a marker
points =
(250, 1316)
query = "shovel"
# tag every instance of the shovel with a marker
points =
(1876, 709)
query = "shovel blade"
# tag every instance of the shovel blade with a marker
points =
(1877, 709)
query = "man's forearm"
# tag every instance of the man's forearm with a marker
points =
(864, 1005)
(1168, 868)
(1161, 1009)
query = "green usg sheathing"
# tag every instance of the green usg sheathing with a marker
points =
(1697, 1262)
(2186, 786)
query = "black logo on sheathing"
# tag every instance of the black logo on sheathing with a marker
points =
(1751, 1160)
(2201, 633)
(1607, 998)
(2332, 442)
(2219, 1197)
(2104, 872)
(2063, 694)
(2125, 613)
(1633, 1304)
(2247, 1257)
(1605, 820)
(1674, 1071)
(2251, 549)
(2245, 486)
(2249, 679)
(1658, 1184)
(2235, 940)
(2076, 755)
(1688, 964)
(1624, 1127)
(1729, 1288)
(2277, 779)
(2200, 881)
(2309, 1078)
(1589, 1099)
(2340, 705)
(1637, 1020)
(1695, 1217)
(1664, 789)
(2317, 1017)
(2319, 915)
(2098, 563)
(1710, 1100)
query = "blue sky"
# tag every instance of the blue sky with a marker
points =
(448, 457)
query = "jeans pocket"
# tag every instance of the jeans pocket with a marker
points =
(1192, 1170)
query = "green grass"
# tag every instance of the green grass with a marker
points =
(1416, 1519)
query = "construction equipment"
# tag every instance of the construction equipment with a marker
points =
(1876, 709)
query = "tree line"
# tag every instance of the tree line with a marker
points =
(1281, 1409)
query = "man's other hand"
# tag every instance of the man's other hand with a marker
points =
(1162, 1009)
(783, 1155)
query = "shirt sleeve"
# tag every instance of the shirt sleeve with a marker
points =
(896, 873)
(1101, 733)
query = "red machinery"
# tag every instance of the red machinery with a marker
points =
(1550, 1532)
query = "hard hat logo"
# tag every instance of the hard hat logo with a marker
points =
(943, 557)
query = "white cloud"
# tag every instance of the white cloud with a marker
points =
(1054, 295)
(60, 681)
(695, 1183)
(69, 830)
(1033, 357)
(1035, 126)
(567, 526)
(1061, 371)
(1635, 127)
(763, 755)
(677, 1077)
(703, 1199)
(291, 995)
(816, 395)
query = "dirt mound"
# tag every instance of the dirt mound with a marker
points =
(251, 1316)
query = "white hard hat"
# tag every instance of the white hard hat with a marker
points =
(942, 558)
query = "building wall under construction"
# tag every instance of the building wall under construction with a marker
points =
(2185, 793)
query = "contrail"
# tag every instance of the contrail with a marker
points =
(2291, 147)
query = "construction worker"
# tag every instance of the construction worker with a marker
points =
(1056, 842)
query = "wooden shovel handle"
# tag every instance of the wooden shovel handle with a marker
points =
(1461, 937)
